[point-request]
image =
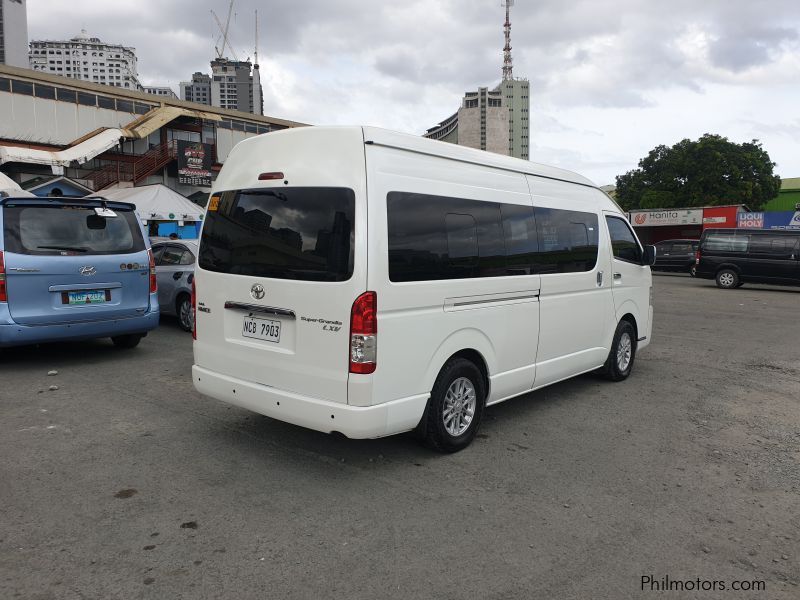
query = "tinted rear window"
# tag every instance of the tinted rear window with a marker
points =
(726, 242)
(285, 233)
(58, 230)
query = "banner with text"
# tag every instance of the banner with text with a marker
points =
(194, 163)
(649, 218)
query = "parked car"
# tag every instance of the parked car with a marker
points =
(74, 269)
(175, 261)
(399, 283)
(737, 256)
(676, 255)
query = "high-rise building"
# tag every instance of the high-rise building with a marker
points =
(496, 120)
(233, 84)
(14, 33)
(197, 90)
(88, 59)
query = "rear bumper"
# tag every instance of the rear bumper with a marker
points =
(13, 334)
(321, 415)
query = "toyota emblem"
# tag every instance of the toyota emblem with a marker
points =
(257, 291)
(88, 270)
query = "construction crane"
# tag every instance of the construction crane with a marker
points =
(224, 31)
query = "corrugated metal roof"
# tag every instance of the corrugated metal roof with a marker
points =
(115, 92)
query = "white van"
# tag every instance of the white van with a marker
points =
(357, 280)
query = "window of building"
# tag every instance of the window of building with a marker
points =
(45, 91)
(66, 95)
(22, 87)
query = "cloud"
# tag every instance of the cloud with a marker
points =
(608, 78)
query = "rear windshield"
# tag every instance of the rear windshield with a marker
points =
(285, 233)
(64, 230)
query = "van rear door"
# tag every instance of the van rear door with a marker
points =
(65, 263)
(275, 286)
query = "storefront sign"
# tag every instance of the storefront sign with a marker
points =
(786, 219)
(651, 218)
(750, 220)
(194, 163)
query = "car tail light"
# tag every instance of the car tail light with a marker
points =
(194, 310)
(3, 292)
(364, 333)
(153, 281)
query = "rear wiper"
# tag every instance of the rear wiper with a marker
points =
(62, 248)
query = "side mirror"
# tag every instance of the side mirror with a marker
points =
(649, 256)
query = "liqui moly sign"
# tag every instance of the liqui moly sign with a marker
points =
(750, 220)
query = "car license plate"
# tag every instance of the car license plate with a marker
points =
(88, 297)
(262, 329)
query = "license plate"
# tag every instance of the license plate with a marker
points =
(262, 329)
(89, 297)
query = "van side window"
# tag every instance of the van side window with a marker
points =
(435, 237)
(775, 245)
(623, 242)
(519, 229)
(726, 243)
(567, 240)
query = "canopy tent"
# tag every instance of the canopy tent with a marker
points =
(157, 203)
(9, 187)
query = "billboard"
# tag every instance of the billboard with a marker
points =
(194, 163)
(786, 219)
(649, 218)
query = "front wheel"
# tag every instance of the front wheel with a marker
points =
(184, 310)
(455, 407)
(619, 363)
(727, 279)
(127, 341)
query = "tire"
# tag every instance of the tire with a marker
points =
(125, 342)
(619, 363)
(693, 271)
(727, 279)
(183, 308)
(449, 424)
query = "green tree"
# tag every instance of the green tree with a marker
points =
(709, 172)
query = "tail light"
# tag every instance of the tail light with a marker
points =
(364, 334)
(153, 282)
(194, 310)
(3, 292)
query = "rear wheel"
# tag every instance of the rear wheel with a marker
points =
(619, 363)
(727, 279)
(127, 341)
(455, 407)
(183, 308)
(693, 271)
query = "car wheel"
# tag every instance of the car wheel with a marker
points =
(619, 363)
(455, 408)
(727, 279)
(693, 271)
(127, 341)
(183, 309)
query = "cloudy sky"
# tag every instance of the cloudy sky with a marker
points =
(609, 79)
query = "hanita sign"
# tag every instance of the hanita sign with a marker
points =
(650, 218)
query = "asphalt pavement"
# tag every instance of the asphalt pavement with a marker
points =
(125, 483)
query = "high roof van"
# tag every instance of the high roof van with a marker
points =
(366, 282)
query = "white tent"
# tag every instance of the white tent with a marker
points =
(9, 187)
(157, 203)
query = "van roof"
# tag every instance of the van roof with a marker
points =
(414, 143)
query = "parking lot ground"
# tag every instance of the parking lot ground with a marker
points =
(125, 483)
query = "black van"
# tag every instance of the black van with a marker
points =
(737, 256)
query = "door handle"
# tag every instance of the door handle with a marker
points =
(599, 279)
(617, 277)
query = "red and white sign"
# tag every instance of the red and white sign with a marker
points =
(649, 218)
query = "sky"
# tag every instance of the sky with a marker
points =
(610, 80)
